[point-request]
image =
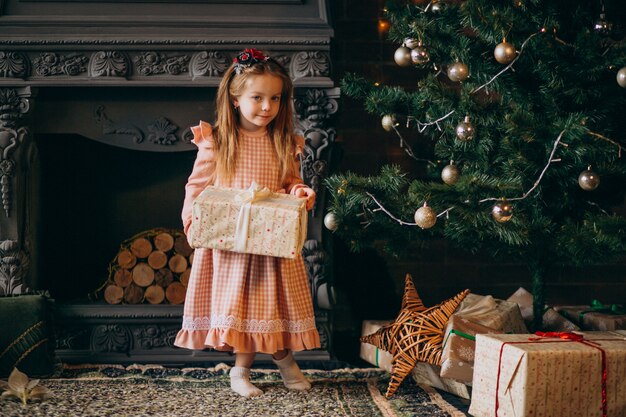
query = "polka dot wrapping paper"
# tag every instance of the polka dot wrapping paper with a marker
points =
(525, 375)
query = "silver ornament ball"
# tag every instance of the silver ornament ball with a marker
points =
(388, 122)
(621, 77)
(330, 221)
(402, 56)
(450, 174)
(465, 130)
(588, 180)
(436, 6)
(504, 52)
(458, 71)
(502, 212)
(420, 56)
(425, 217)
(602, 26)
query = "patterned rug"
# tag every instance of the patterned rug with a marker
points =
(145, 390)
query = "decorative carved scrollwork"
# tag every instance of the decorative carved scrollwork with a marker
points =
(208, 64)
(14, 65)
(109, 64)
(111, 338)
(153, 336)
(13, 267)
(12, 108)
(154, 63)
(314, 109)
(315, 260)
(108, 127)
(48, 64)
(310, 64)
(162, 132)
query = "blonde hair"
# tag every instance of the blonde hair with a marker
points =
(226, 130)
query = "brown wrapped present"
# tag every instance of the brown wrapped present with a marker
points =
(254, 221)
(594, 316)
(458, 348)
(423, 373)
(552, 321)
(526, 375)
(503, 316)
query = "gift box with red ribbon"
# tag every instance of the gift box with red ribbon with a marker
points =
(550, 374)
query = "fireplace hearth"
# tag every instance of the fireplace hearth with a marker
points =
(94, 133)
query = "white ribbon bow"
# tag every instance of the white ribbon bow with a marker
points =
(253, 194)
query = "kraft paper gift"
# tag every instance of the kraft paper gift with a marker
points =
(254, 221)
(552, 321)
(458, 348)
(503, 316)
(423, 373)
(595, 316)
(549, 377)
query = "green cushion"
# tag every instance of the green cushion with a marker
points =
(26, 335)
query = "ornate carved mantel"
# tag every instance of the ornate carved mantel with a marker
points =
(84, 46)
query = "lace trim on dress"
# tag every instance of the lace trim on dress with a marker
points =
(248, 325)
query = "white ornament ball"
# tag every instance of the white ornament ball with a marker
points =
(458, 71)
(621, 77)
(330, 221)
(402, 56)
(425, 217)
(388, 122)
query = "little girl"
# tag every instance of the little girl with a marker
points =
(240, 302)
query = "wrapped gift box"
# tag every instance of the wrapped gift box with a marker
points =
(552, 321)
(593, 319)
(249, 221)
(423, 373)
(458, 348)
(503, 316)
(532, 376)
(370, 353)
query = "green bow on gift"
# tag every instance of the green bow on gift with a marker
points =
(598, 307)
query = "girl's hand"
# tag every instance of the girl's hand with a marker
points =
(309, 194)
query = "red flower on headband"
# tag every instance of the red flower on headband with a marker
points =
(247, 58)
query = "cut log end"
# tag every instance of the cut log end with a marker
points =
(175, 293)
(155, 294)
(164, 242)
(141, 247)
(143, 275)
(113, 294)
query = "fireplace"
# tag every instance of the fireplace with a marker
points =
(94, 131)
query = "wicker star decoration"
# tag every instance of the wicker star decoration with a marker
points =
(415, 335)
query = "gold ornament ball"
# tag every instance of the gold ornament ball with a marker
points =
(402, 56)
(420, 56)
(465, 130)
(458, 71)
(504, 52)
(425, 217)
(330, 221)
(621, 77)
(502, 212)
(450, 174)
(588, 180)
(388, 122)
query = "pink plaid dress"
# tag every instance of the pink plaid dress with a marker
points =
(240, 302)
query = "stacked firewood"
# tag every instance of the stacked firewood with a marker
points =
(151, 267)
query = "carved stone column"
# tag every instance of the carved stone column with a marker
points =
(17, 153)
(315, 108)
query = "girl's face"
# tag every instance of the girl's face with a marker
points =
(259, 101)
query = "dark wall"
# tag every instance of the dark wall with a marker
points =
(370, 285)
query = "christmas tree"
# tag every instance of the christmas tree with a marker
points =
(521, 102)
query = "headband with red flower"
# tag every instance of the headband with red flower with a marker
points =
(248, 58)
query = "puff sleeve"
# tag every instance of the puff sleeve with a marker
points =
(203, 172)
(293, 183)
